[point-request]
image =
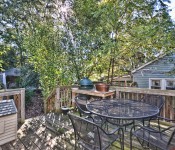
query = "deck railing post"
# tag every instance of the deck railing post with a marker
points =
(57, 99)
(117, 94)
(22, 105)
(45, 106)
(73, 98)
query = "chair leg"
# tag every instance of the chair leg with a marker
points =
(134, 124)
(121, 132)
(131, 136)
(75, 145)
(123, 142)
(131, 141)
(143, 122)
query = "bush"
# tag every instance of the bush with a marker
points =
(28, 97)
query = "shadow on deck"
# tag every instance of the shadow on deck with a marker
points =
(50, 132)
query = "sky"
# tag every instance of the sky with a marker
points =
(172, 6)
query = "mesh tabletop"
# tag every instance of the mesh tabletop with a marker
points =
(122, 109)
(7, 107)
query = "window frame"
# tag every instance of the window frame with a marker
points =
(163, 83)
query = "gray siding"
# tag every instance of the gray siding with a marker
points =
(1, 78)
(157, 69)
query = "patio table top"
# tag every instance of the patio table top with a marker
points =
(122, 109)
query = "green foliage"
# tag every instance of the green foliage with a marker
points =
(46, 57)
(28, 97)
(29, 78)
(55, 47)
(8, 57)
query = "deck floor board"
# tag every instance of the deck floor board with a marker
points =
(50, 132)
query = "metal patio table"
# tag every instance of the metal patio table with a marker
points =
(122, 109)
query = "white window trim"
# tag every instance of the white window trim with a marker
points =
(163, 82)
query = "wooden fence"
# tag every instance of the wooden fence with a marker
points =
(18, 95)
(62, 96)
(137, 93)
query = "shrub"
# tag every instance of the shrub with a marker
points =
(28, 97)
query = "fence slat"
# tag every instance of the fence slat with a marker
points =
(18, 96)
(169, 96)
(61, 97)
(65, 97)
(22, 105)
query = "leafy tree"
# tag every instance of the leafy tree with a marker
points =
(66, 40)
(17, 18)
(140, 27)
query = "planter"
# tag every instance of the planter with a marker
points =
(65, 110)
(102, 87)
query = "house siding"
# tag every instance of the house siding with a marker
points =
(157, 69)
(1, 77)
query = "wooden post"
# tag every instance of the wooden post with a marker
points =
(18, 100)
(173, 105)
(70, 97)
(57, 99)
(73, 98)
(22, 105)
(45, 106)
(163, 112)
(171, 108)
(117, 94)
(125, 83)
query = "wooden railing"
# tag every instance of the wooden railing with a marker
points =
(18, 95)
(137, 93)
(61, 96)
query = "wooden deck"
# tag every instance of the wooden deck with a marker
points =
(50, 132)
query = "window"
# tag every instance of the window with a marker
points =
(170, 84)
(155, 84)
(162, 83)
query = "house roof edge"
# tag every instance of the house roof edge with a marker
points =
(150, 62)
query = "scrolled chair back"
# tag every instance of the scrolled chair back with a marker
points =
(156, 100)
(90, 135)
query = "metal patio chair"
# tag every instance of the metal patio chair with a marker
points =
(83, 112)
(91, 136)
(155, 136)
(156, 100)
(81, 105)
(120, 122)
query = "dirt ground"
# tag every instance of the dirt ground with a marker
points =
(36, 107)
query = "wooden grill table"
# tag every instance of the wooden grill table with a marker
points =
(92, 92)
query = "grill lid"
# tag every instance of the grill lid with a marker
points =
(85, 82)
